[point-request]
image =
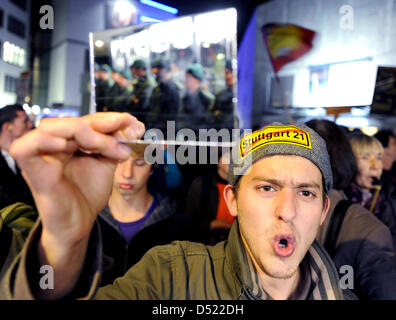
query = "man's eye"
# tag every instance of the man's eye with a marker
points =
(307, 193)
(265, 188)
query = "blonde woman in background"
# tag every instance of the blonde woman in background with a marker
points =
(376, 195)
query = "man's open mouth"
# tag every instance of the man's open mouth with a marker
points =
(284, 245)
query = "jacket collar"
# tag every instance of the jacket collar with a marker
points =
(321, 277)
(165, 208)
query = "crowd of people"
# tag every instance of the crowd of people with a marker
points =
(152, 94)
(276, 218)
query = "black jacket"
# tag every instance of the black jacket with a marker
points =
(385, 208)
(201, 207)
(164, 104)
(163, 226)
(387, 212)
(365, 244)
(13, 187)
(202, 201)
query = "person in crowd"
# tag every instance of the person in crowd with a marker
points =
(165, 98)
(13, 124)
(388, 141)
(278, 191)
(377, 196)
(102, 86)
(351, 234)
(169, 177)
(196, 101)
(143, 85)
(136, 218)
(122, 101)
(221, 114)
(206, 205)
(119, 93)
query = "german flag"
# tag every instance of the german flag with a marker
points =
(286, 42)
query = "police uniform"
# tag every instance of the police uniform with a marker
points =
(164, 104)
(141, 92)
(221, 113)
(118, 97)
(196, 105)
(140, 98)
(102, 88)
(165, 99)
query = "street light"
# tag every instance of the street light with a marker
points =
(99, 43)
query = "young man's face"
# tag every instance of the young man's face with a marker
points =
(280, 207)
(135, 72)
(138, 72)
(369, 164)
(160, 74)
(229, 77)
(191, 83)
(103, 75)
(20, 125)
(131, 176)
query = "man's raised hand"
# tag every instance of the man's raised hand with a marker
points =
(69, 164)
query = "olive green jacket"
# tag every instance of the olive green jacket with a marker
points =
(16, 220)
(180, 271)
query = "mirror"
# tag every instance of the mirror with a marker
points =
(181, 70)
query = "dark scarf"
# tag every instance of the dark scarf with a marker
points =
(356, 195)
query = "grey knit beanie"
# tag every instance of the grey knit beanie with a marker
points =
(279, 139)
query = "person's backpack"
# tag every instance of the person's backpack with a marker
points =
(334, 227)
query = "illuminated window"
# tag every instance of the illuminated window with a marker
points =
(13, 54)
(349, 83)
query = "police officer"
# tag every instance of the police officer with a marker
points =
(143, 86)
(102, 86)
(117, 94)
(124, 98)
(165, 99)
(221, 114)
(196, 101)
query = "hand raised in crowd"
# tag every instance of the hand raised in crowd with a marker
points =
(69, 166)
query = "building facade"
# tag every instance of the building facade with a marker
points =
(61, 70)
(14, 50)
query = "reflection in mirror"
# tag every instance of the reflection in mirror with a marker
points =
(182, 70)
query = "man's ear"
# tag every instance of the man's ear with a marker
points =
(7, 126)
(230, 198)
(326, 208)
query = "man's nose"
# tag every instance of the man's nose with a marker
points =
(375, 164)
(127, 169)
(285, 205)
